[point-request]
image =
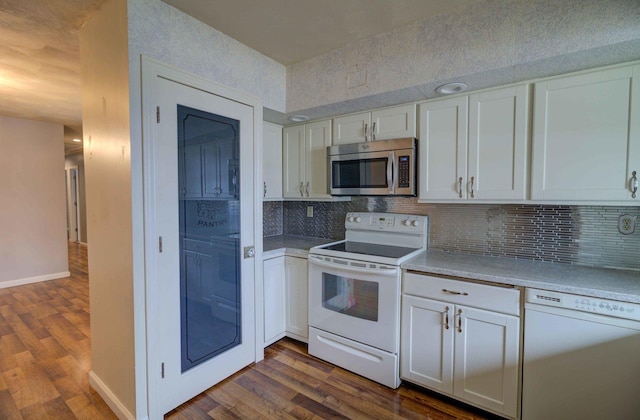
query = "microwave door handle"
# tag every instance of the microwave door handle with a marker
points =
(390, 173)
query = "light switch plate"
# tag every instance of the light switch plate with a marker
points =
(309, 211)
(626, 224)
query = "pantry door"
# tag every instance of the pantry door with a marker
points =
(201, 319)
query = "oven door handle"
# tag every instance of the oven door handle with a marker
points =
(388, 272)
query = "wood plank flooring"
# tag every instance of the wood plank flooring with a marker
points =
(45, 361)
(45, 349)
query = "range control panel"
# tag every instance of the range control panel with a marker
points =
(388, 222)
(585, 304)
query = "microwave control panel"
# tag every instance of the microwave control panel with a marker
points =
(404, 171)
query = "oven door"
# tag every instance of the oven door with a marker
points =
(368, 173)
(356, 300)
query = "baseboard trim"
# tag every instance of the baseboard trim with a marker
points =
(36, 279)
(112, 401)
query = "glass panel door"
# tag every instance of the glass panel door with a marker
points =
(209, 219)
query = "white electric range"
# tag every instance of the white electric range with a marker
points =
(354, 293)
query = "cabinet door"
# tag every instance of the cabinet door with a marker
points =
(351, 128)
(210, 170)
(498, 144)
(487, 359)
(318, 138)
(274, 300)
(272, 161)
(193, 275)
(586, 141)
(228, 168)
(443, 149)
(297, 297)
(427, 343)
(394, 123)
(191, 164)
(293, 161)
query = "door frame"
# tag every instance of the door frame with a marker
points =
(152, 69)
(73, 217)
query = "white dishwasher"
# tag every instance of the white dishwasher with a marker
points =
(581, 358)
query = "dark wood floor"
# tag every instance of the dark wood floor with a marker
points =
(45, 361)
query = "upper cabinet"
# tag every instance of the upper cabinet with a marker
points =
(304, 169)
(210, 169)
(272, 162)
(586, 137)
(382, 124)
(475, 147)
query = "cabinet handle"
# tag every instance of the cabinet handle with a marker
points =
(446, 317)
(453, 292)
(634, 184)
(459, 320)
(373, 132)
(460, 187)
(472, 180)
(265, 189)
(307, 188)
(301, 189)
(366, 126)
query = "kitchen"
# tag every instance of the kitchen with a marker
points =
(480, 55)
(504, 237)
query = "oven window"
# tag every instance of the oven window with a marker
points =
(360, 173)
(358, 298)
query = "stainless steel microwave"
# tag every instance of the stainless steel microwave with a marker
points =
(384, 167)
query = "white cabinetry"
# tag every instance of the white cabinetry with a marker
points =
(275, 314)
(475, 147)
(586, 142)
(210, 170)
(382, 124)
(297, 298)
(272, 162)
(305, 160)
(462, 339)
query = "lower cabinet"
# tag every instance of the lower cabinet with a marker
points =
(452, 345)
(285, 299)
(275, 314)
(296, 270)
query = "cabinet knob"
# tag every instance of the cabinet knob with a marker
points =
(460, 187)
(366, 126)
(472, 181)
(634, 184)
(373, 132)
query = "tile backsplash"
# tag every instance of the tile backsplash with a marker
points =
(584, 235)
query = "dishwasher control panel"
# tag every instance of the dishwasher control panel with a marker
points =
(599, 306)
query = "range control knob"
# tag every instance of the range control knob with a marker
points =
(358, 219)
(406, 222)
(350, 219)
(414, 223)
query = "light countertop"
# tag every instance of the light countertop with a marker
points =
(274, 246)
(622, 285)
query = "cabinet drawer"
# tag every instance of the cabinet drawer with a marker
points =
(493, 298)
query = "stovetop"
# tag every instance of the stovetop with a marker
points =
(364, 248)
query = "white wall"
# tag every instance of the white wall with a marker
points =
(33, 227)
(107, 159)
(486, 44)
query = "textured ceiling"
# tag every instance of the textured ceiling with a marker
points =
(40, 60)
(290, 31)
(39, 47)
